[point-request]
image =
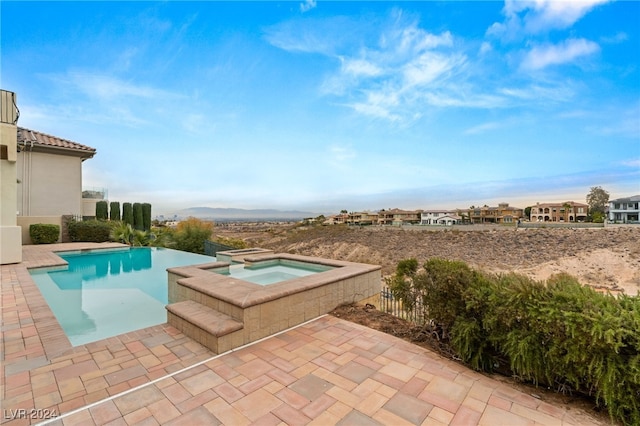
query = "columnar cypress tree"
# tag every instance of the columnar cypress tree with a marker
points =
(114, 210)
(137, 217)
(146, 216)
(127, 213)
(102, 210)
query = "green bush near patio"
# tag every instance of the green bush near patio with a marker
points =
(558, 333)
(95, 231)
(44, 233)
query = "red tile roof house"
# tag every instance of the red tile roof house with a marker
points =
(49, 178)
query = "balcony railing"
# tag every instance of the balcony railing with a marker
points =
(95, 193)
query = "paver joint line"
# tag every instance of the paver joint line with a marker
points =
(153, 382)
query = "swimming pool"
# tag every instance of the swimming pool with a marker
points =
(103, 293)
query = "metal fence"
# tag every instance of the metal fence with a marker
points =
(211, 248)
(395, 307)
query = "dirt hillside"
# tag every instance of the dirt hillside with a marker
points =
(604, 257)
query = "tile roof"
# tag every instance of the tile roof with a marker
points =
(626, 199)
(27, 136)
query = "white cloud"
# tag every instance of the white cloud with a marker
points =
(546, 55)
(526, 17)
(105, 87)
(554, 14)
(307, 5)
(360, 67)
(482, 128)
(429, 66)
(616, 38)
(634, 162)
(341, 156)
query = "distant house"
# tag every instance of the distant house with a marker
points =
(625, 210)
(398, 217)
(503, 213)
(569, 211)
(440, 218)
(336, 219)
(362, 218)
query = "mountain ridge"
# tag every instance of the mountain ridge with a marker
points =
(227, 213)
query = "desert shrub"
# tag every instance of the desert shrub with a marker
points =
(44, 233)
(557, 333)
(190, 235)
(236, 243)
(90, 231)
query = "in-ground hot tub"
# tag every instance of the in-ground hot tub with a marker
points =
(218, 305)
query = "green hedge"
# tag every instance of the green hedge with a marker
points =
(44, 233)
(557, 333)
(146, 216)
(127, 213)
(102, 210)
(114, 211)
(138, 222)
(90, 231)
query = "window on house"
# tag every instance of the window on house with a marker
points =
(4, 152)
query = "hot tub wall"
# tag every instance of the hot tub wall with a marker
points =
(265, 310)
(272, 316)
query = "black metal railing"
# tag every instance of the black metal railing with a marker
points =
(212, 248)
(395, 307)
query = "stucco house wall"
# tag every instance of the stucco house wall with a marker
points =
(10, 241)
(49, 179)
(50, 184)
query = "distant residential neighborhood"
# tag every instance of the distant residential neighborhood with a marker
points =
(620, 210)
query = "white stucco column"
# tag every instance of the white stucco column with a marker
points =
(10, 232)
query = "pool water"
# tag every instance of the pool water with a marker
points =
(103, 293)
(273, 273)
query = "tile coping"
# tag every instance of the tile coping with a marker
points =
(246, 294)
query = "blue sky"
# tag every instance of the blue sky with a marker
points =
(323, 106)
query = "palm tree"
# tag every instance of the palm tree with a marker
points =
(124, 233)
(567, 207)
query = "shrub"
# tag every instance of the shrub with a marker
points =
(90, 231)
(127, 213)
(190, 235)
(124, 233)
(557, 333)
(44, 233)
(236, 243)
(137, 217)
(114, 211)
(146, 216)
(102, 210)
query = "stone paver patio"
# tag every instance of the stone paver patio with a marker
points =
(326, 371)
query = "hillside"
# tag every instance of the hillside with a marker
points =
(605, 257)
